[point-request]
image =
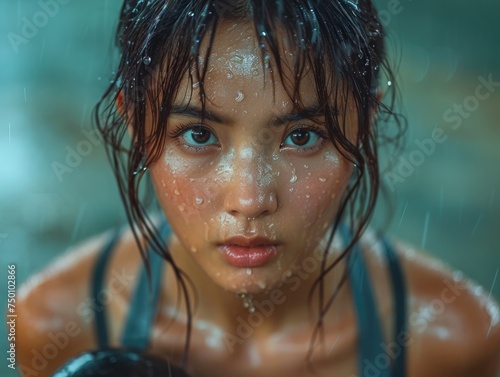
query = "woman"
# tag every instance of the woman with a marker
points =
(257, 124)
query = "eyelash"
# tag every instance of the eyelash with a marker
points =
(181, 128)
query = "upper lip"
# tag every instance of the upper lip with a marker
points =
(249, 241)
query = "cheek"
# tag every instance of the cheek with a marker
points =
(181, 191)
(318, 190)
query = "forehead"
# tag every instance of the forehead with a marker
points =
(236, 63)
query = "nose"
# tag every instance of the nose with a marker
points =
(252, 189)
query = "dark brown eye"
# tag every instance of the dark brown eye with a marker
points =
(200, 135)
(300, 137)
(303, 138)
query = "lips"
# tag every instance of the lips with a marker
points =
(247, 252)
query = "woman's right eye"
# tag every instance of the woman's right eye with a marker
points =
(197, 136)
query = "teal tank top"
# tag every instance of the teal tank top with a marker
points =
(377, 356)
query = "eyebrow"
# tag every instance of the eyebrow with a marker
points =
(309, 112)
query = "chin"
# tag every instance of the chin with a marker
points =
(251, 281)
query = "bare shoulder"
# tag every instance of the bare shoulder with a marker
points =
(56, 309)
(453, 323)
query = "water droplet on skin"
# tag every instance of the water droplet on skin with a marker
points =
(229, 76)
(176, 192)
(194, 249)
(147, 60)
(291, 190)
(308, 196)
(180, 207)
(239, 96)
(293, 179)
(249, 271)
(261, 285)
(389, 83)
(306, 166)
(321, 179)
(199, 201)
(196, 84)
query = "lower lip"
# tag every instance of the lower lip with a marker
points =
(241, 256)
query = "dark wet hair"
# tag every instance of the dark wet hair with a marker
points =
(341, 40)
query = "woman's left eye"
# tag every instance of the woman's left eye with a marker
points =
(198, 136)
(303, 138)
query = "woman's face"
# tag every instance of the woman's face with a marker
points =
(252, 190)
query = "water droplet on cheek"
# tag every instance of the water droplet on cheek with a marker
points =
(321, 179)
(176, 192)
(194, 249)
(198, 201)
(239, 96)
(293, 179)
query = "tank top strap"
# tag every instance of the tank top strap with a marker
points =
(368, 319)
(400, 308)
(101, 328)
(137, 330)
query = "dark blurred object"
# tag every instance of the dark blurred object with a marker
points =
(118, 362)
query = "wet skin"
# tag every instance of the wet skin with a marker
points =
(244, 182)
(256, 168)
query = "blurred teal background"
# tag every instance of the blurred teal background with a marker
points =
(450, 205)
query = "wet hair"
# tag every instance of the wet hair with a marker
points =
(160, 40)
